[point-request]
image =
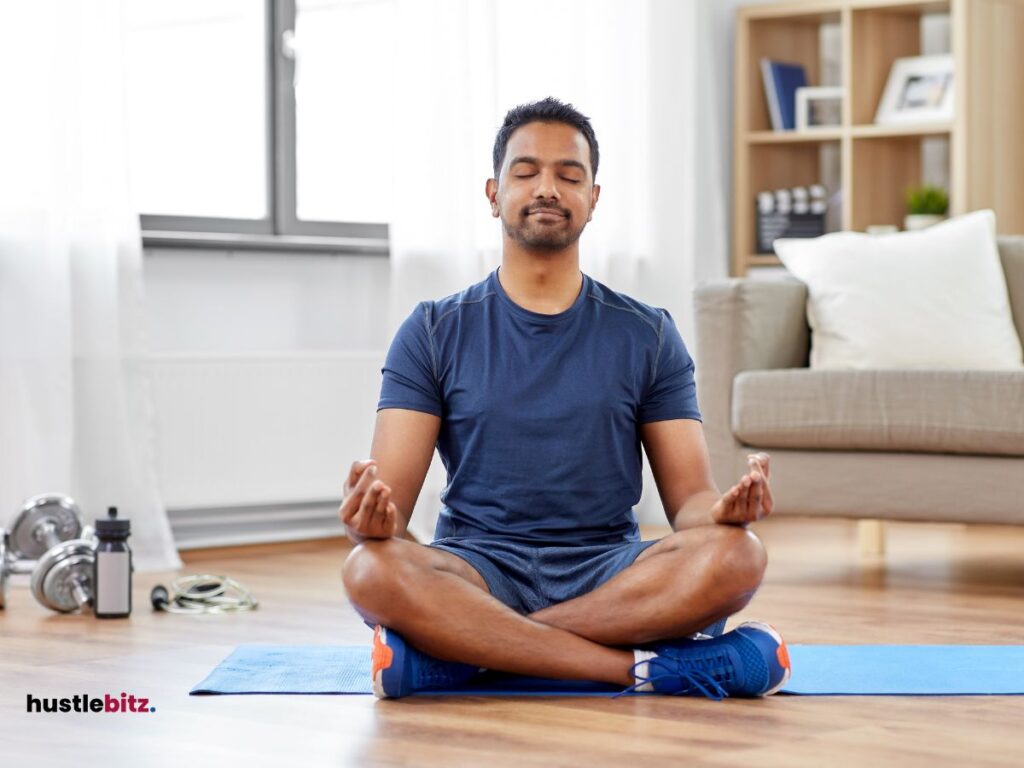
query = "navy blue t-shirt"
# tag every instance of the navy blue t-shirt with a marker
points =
(540, 413)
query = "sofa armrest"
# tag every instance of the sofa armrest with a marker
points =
(742, 325)
(1011, 251)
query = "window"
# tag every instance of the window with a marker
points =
(265, 125)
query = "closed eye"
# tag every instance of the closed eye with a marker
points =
(530, 175)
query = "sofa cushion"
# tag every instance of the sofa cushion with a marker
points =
(934, 299)
(973, 412)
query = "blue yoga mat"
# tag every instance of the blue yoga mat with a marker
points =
(870, 670)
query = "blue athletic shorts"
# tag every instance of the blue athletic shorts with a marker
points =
(527, 578)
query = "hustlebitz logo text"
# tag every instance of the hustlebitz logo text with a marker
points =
(126, 703)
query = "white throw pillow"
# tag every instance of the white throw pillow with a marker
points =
(935, 298)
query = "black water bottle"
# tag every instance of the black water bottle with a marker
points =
(112, 576)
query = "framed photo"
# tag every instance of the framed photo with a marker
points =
(919, 90)
(818, 107)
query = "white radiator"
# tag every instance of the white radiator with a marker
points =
(254, 448)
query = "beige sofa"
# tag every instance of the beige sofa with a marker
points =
(902, 445)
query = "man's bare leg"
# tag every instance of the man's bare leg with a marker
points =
(685, 582)
(440, 603)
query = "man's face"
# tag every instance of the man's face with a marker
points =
(545, 193)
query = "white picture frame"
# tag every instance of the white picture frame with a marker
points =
(919, 90)
(819, 107)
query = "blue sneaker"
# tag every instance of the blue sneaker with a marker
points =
(398, 669)
(751, 660)
(716, 629)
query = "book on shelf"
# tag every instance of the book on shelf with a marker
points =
(780, 83)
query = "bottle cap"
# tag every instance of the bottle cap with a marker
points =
(112, 526)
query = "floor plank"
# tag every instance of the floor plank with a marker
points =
(936, 584)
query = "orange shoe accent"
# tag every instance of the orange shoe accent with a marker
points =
(781, 653)
(382, 655)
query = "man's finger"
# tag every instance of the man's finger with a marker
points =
(724, 505)
(762, 460)
(365, 481)
(754, 505)
(357, 471)
(740, 505)
(368, 476)
(350, 506)
(767, 500)
(747, 510)
(356, 509)
(392, 519)
(355, 521)
(380, 512)
(357, 495)
(368, 504)
(754, 465)
(362, 520)
(744, 508)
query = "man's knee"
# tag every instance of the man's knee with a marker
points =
(738, 558)
(369, 570)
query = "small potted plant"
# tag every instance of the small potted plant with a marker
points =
(926, 205)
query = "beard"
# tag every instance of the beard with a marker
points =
(542, 236)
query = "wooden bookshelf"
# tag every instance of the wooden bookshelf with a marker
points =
(877, 163)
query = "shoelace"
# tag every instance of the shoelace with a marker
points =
(717, 669)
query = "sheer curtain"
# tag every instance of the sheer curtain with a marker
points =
(653, 77)
(76, 413)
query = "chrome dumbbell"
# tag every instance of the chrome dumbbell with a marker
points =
(62, 580)
(43, 523)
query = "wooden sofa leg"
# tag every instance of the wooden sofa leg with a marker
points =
(871, 535)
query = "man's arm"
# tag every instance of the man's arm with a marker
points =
(401, 451)
(681, 466)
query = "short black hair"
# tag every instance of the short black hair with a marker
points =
(549, 110)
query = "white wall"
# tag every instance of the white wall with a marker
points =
(244, 302)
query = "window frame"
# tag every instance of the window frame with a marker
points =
(280, 229)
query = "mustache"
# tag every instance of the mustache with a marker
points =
(546, 209)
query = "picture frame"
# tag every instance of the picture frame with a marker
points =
(819, 107)
(919, 90)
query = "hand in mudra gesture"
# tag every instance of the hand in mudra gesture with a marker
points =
(750, 499)
(367, 508)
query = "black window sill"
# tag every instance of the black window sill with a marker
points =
(224, 241)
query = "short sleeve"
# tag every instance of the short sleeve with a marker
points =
(672, 392)
(408, 373)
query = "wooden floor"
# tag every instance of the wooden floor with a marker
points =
(937, 584)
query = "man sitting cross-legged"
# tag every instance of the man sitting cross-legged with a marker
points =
(538, 387)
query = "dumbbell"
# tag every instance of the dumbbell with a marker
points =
(43, 522)
(62, 580)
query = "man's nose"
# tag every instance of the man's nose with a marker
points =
(546, 186)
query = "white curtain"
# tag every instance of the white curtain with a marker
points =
(76, 412)
(653, 76)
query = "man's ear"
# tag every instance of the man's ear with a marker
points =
(593, 200)
(491, 190)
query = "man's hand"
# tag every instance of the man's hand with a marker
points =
(366, 509)
(750, 499)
